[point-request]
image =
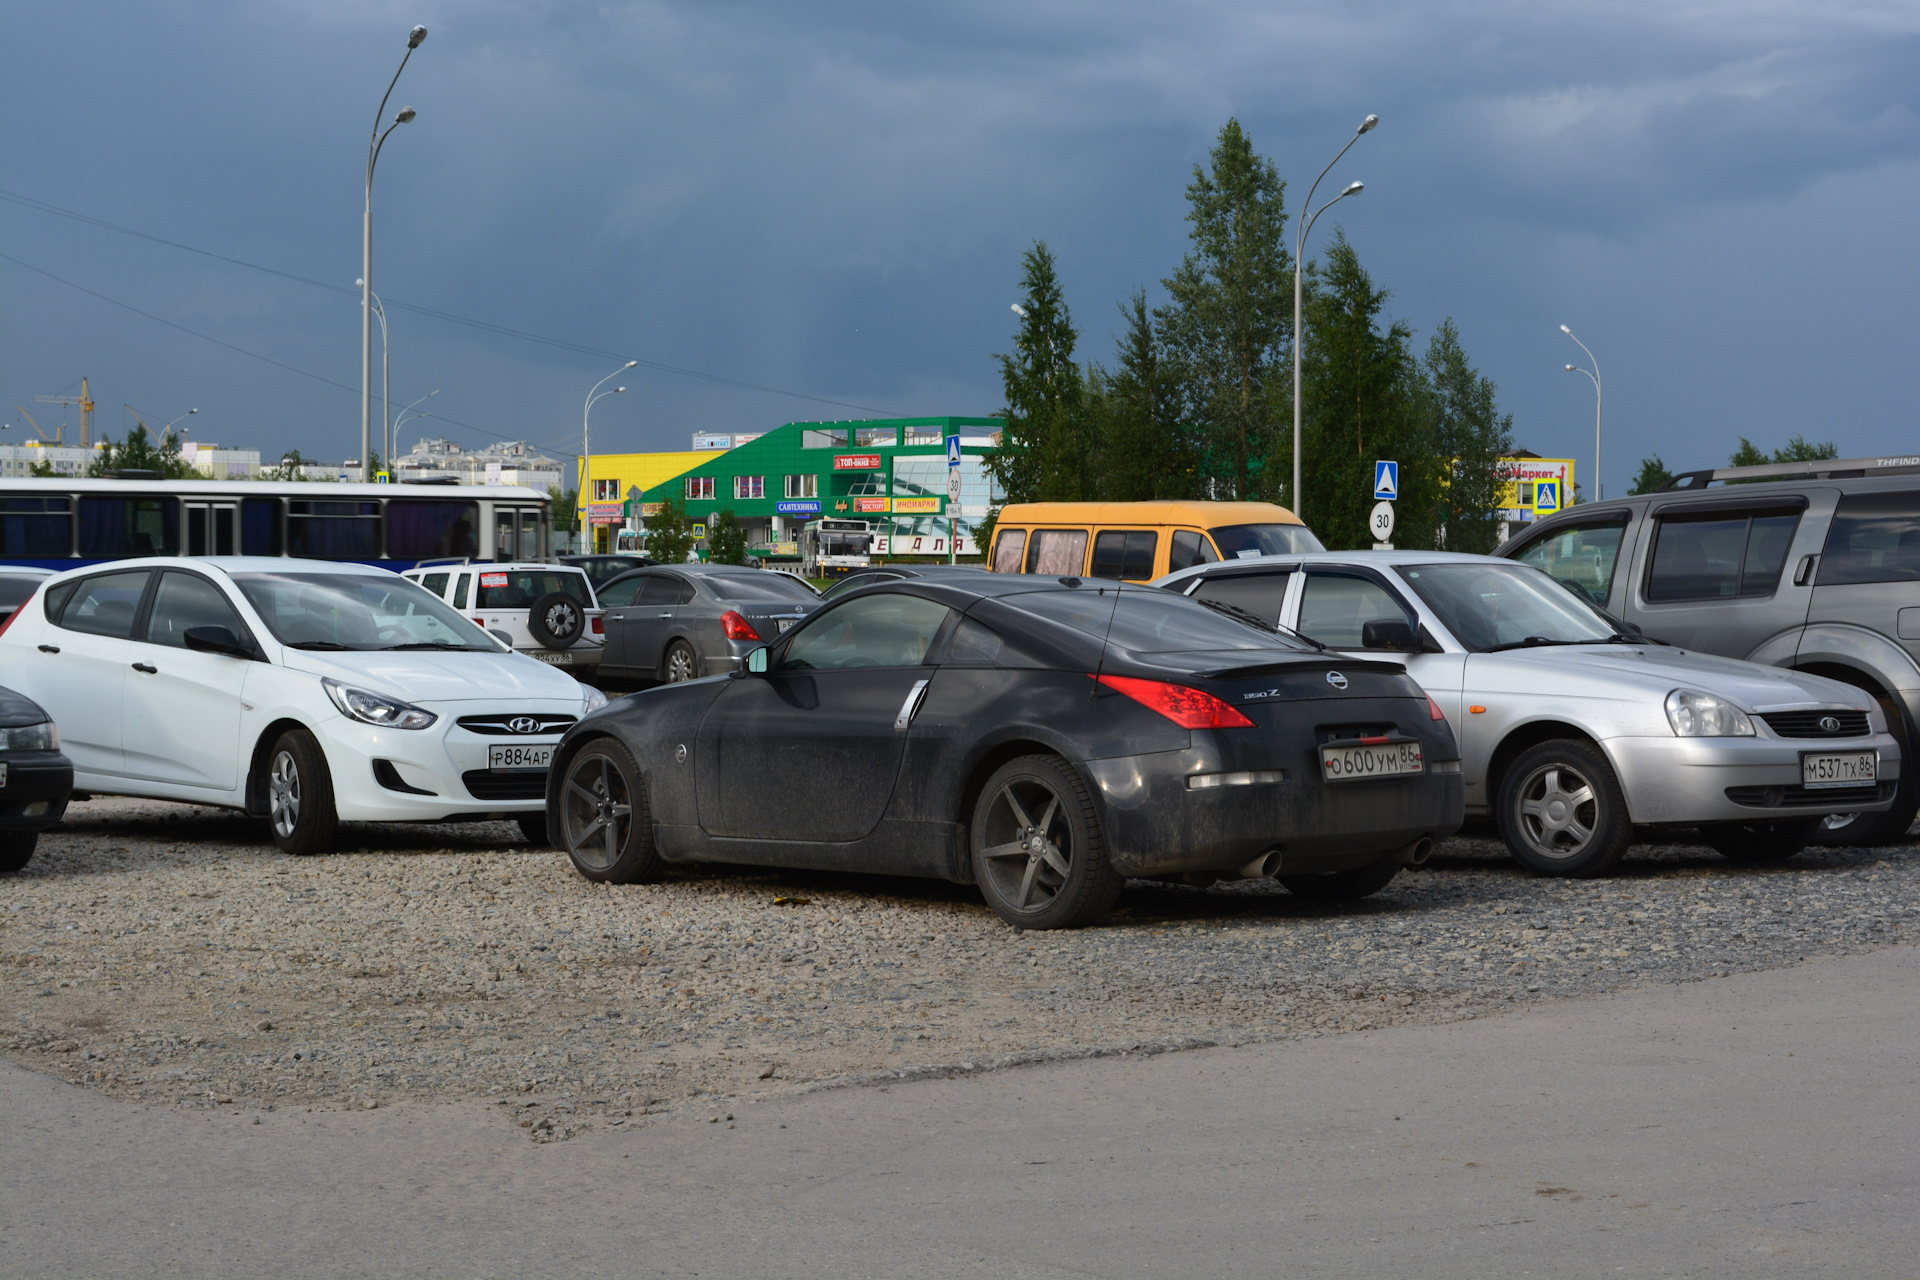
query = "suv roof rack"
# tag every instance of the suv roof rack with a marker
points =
(438, 560)
(1820, 469)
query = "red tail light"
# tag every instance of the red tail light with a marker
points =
(1186, 707)
(737, 627)
(1433, 709)
(599, 626)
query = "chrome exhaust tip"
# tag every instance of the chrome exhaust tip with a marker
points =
(1417, 853)
(1264, 867)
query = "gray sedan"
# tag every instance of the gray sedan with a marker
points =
(682, 622)
(1573, 729)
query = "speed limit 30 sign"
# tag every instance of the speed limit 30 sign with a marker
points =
(1381, 522)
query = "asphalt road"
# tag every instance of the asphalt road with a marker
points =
(1762, 1124)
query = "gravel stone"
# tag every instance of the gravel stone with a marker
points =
(172, 955)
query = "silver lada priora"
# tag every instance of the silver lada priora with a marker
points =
(1573, 728)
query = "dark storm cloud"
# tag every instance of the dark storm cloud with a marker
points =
(831, 198)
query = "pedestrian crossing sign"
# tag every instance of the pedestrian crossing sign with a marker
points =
(1386, 481)
(1546, 496)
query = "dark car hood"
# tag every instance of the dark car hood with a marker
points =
(17, 709)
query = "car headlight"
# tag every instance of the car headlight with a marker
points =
(376, 708)
(44, 736)
(1701, 715)
(591, 699)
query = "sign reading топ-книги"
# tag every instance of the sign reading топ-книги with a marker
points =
(858, 462)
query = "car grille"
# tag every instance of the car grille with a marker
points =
(1820, 798)
(501, 725)
(484, 784)
(1806, 724)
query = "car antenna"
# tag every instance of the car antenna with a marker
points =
(1100, 667)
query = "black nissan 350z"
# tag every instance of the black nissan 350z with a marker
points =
(1043, 738)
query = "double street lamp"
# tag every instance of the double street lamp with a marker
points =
(375, 141)
(586, 449)
(386, 382)
(1299, 271)
(1599, 484)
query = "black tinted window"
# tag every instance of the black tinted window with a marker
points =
(119, 528)
(1189, 549)
(420, 528)
(1875, 538)
(519, 588)
(104, 606)
(618, 593)
(745, 588)
(1258, 593)
(185, 600)
(973, 644)
(39, 527)
(1147, 621)
(1720, 556)
(874, 631)
(1124, 553)
(665, 589)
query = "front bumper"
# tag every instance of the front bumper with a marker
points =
(1158, 824)
(34, 796)
(434, 774)
(1696, 780)
(581, 655)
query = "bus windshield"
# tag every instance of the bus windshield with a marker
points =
(1241, 541)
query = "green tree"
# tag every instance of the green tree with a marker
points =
(43, 471)
(1652, 477)
(1748, 454)
(670, 534)
(139, 452)
(1228, 322)
(1469, 437)
(1044, 452)
(564, 506)
(1140, 450)
(727, 540)
(1800, 449)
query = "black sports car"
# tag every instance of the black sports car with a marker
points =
(1044, 738)
(35, 779)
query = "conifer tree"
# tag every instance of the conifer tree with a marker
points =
(1045, 452)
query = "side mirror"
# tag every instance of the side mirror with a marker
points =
(757, 661)
(1389, 633)
(216, 640)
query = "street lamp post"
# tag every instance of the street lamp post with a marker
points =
(188, 414)
(375, 141)
(1299, 269)
(586, 450)
(1599, 483)
(402, 417)
(386, 381)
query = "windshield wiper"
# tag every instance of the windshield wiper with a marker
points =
(1253, 619)
(430, 644)
(318, 644)
(1541, 642)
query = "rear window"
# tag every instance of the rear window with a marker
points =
(105, 605)
(1875, 538)
(519, 588)
(743, 589)
(1149, 621)
(1720, 556)
(1258, 593)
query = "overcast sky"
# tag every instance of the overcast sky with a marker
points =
(830, 199)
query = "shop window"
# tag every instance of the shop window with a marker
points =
(807, 486)
(749, 486)
(699, 487)
(606, 491)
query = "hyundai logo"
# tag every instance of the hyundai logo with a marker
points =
(1337, 680)
(524, 724)
(1829, 724)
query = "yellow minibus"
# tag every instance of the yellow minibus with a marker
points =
(1139, 541)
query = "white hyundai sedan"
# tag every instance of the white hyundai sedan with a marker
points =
(304, 692)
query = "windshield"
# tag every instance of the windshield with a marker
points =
(1239, 541)
(742, 588)
(519, 588)
(357, 611)
(1489, 606)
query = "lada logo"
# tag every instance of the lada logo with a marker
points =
(1829, 724)
(524, 724)
(1337, 680)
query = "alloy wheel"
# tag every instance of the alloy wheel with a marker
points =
(679, 664)
(1558, 810)
(598, 812)
(283, 788)
(1028, 844)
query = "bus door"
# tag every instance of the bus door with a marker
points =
(213, 528)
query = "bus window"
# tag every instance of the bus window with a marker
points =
(333, 530)
(1008, 549)
(260, 526)
(419, 528)
(1189, 549)
(1057, 551)
(36, 526)
(120, 528)
(1124, 553)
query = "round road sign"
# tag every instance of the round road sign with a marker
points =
(1381, 521)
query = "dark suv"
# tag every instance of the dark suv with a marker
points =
(1810, 565)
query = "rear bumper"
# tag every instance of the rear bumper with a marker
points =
(1158, 824)
(35, 795)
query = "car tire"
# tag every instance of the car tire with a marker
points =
(1039, 855)
(556, 620)
(1343, 886)
(1758, 843)
(534, 827)
(605, 827)
(16, 849)
(300, 807)
(1562, 812)
(680, 664)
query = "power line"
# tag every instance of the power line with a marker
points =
(487, 326)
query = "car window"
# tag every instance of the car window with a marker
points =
(188, 600)
(519, 588)
(1124, 553)
(1875, 537)
(1260, 594)
(104, 605)
(1238, 541)
(1008, 550)
(1583, 557)
(356, 611)
(1189, 549)
(973, 644)
(1335, 607)
(460, 591)
(855, 581)
(883, 630)
(1719, 556)
(665, 589)
(434, 582)
(754, 588)
(1148, 621)
(1487, 605)
(1058, 552)
(622, 592)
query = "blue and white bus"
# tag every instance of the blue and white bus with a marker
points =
(65, 524)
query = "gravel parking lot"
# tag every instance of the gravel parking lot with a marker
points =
(170, 953)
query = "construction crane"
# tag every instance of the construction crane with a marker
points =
(38, 429)
(85, 401)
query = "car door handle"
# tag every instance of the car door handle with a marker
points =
(141, 666)
(911, 705)
(1804, 570)
(668, 614)
(49, 648)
